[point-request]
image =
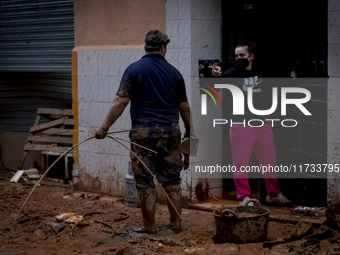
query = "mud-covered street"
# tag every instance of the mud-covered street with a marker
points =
(232, 108)
(35, 230)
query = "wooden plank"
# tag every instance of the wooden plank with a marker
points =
(45, 147)
(69, 122)
(47, 125)
(55, 116)
(63, 132)
(52, 153)
(50, 139)
(294, 219)
(55, 111)
(201, 208)
(37, 119)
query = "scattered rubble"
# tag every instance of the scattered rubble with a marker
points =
(110, 222)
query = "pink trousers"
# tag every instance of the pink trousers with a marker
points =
(244, 140)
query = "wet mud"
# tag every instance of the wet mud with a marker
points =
(36, 231)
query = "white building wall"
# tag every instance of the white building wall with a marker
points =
(195, 30)
(103, 164)
(194, 27)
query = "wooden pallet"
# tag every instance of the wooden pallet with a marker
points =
(54, 136)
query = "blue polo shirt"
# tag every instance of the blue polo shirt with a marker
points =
(155, 89)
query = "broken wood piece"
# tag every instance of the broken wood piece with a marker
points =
(294, 219)
(55, 111)
(47, 125)
(37, 119)
(55, 116)
(201, 208)
(28, 219)
(50, 139)
(327, 233)
(32, 171)
(69, 122)
(45, 147)
(24, 154)
(57, 131)
(300, 230)
(270, 244)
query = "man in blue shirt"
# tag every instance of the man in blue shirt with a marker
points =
(157, 93)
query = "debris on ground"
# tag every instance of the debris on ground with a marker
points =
(63, 216)
(26, 176)
(109, 227)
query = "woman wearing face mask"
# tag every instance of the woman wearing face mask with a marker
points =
(245, 139)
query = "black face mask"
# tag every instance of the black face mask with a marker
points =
(242, 63)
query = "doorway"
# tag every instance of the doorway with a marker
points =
(290, 36)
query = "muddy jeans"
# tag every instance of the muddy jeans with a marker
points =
(166, 164)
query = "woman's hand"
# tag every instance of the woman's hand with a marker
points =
(216, 70)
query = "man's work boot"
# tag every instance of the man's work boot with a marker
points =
(147, 198)
(174, 193)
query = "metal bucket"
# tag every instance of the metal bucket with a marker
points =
(233, 227)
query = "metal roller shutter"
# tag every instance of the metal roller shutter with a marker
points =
(36, 40)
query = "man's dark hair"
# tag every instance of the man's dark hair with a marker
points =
(154, 40)
(250, 46)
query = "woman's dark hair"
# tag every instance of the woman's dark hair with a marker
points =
(250, 46)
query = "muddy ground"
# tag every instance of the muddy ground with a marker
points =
(33, 233)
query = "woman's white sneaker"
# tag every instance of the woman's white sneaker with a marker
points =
(280, 199)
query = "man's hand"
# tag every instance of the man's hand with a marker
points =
(186, 161)
(189, 134)
(101, 133)
(117, 108)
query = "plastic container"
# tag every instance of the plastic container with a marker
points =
(55, 227)
(131, 195)
(310, 211)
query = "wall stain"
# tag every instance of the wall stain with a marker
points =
(87, 182)
(202, 189)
